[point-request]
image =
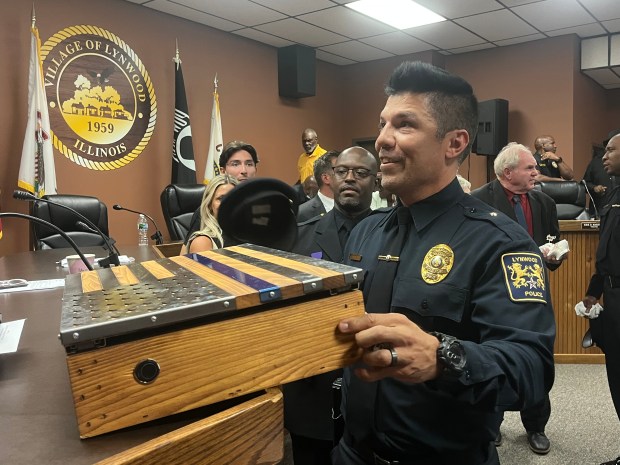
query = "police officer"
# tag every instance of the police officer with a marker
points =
(459, 326)
(551, 166)
(606, 280)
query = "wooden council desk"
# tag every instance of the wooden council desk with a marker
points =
(37, 416)
(568, 286)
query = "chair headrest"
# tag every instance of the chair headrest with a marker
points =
(571, 192)
(91, 207)
(182, 198)
(260, 211)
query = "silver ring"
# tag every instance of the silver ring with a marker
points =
(394, 356)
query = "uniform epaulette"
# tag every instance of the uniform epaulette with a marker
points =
(489, 214)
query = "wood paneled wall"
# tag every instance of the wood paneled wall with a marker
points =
(568, 286)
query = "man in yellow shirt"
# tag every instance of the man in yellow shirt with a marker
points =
(312, 151)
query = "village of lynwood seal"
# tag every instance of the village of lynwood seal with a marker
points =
(101, 100)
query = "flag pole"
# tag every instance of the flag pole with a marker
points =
(183, 164)
(176, 57)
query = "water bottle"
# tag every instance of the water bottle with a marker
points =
(143, 231)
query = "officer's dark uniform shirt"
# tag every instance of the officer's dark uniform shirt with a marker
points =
(308, 402)
(547, 167)
(608, 251)
(490, 291)
(596, 175)
(606, 282)
(607, 274)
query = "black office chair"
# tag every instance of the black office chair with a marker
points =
(569, 197)
(91, 207)
(178, 203)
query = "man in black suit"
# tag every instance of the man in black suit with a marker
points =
(323, 201)
(308, 402)
(513, 194)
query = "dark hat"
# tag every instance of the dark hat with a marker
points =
(261, 211)
(611, 134)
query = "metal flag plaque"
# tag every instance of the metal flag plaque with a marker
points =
(196, 329)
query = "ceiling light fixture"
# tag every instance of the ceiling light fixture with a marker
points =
(401, 14)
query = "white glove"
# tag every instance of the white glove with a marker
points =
(581, 310)
(557, 250)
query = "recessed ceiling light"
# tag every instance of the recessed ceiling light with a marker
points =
(402, 14)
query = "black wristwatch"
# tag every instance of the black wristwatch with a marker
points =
(451, 354)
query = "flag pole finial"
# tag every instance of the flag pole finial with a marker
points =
(215, 82)
(176, 58)
(33, 16)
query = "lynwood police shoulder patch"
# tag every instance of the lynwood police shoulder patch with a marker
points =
(524, 274)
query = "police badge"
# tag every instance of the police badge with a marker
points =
(437, 263)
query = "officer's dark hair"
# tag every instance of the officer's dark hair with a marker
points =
(450, 99)
(323, 165)
(233, 147)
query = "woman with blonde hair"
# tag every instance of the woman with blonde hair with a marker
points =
(209, 236)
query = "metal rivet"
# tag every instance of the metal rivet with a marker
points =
(313, 285)
(227, 304)
(272, 294)
(76, 336)
(354, 275)
(153, 319)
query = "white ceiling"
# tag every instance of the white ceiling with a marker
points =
(343, 36)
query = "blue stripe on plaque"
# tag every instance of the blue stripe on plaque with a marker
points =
(267, 291)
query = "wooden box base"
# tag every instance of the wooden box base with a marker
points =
(205, 364)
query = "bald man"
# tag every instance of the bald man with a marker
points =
(312, 151)
(551, 167)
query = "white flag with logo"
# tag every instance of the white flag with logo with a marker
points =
(37, 173)
(216, 142)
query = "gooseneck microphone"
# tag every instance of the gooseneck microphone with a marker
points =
(84, 227)
(157, 237)
(112, 258)
(596, 216)
(55, 228)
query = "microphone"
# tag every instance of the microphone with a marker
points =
(84, 227)
(55, 228)
(157, 237)
(112, 258)
(596, 216)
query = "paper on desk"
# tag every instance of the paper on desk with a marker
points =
(122, 259)
(37, 285)
(10, 333)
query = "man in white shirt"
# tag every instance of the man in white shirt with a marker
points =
(323, 201)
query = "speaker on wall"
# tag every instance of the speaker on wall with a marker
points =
(492, 127)
(296, 71)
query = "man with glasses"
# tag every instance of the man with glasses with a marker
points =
(308, 402)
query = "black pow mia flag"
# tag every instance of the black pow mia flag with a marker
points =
(183, 164)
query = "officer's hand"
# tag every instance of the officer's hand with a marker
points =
(549, 155)
(377, 333)
(588, 301)
(552, 260)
